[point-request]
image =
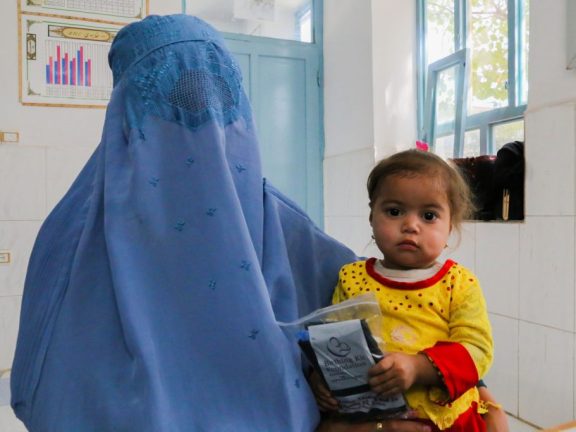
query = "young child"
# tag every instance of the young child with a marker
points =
(435, 327)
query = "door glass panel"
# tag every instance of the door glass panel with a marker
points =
(280, 19)
(472, 143)
(488, 40)
(439, 29)
(507, 132)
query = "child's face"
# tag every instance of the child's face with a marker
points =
(411, 220)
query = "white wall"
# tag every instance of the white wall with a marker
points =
(349, 118)
(526, 269)
(370, 104)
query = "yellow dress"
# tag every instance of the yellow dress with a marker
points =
(444, 317)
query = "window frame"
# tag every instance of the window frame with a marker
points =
(486, 120)
(459, 59)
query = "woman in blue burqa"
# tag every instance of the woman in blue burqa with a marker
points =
(154, 288)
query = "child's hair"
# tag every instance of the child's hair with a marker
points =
(416, 162)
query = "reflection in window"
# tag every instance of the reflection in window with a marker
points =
(472, 143)
(507, 132)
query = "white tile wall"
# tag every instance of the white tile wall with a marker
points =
(550, 81)
(9, 422)
(461, 247)
(517, 425)
(348, 90)
(347, 175)
(546, 373)
(18, 239)
(23, 171)
(62, 166)
(163, 7)
(49, 129)
(9, 315)
(354, 232)
(502, 379)
(4, 387)
(394, 96)
(550, 185)
(497, 266)
(547, 271)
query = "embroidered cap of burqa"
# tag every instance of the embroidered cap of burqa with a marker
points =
(155, 285)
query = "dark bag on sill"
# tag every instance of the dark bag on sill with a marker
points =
(478, 172)
(508, 184)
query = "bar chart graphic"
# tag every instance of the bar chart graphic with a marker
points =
(65, 68)
(77, 69)
(65, 61)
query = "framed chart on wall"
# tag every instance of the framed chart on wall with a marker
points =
(63, 49)
(65, 62)
(123, 11)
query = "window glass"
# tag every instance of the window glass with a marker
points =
(281, 19)
(304, 24)
(445, 107)
(444, 146)
(472, 143)
(440, 29)
(507, 132)
(488, 41)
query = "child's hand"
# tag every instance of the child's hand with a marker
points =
(394, 374)
(496, 419)
(323, 396)
(397, 372)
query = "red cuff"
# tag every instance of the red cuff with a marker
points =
(456, 366)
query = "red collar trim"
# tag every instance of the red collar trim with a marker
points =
(407, 285)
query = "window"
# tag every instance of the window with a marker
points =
(507, 132)
(494, 36)
(446, 93)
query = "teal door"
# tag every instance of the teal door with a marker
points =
(282, 80)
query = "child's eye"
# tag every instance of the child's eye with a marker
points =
(430, 216)
(393, 211)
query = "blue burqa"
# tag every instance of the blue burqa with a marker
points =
(155, 285)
